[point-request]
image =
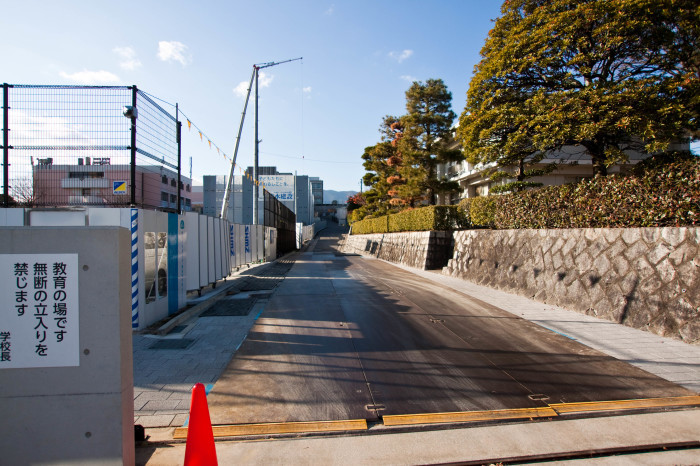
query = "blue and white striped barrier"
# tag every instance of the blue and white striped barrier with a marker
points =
(134, 268)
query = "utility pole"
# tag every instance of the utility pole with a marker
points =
(257, 142)
(254, 77)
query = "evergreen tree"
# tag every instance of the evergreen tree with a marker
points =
(380, 162)
(608, 75)
(425, 142)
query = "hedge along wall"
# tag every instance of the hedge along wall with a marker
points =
(657, 196)
(437, 218)
(647, 278)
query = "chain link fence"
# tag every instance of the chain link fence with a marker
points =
(90, 146)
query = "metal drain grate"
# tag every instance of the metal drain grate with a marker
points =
(260, 284)
(173, 344)
(230, 307)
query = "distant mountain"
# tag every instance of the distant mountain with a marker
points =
(341, 196)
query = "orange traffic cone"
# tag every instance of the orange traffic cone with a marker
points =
(200, 449)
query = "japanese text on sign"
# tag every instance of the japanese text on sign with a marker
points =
(39, 321)
(280, 186)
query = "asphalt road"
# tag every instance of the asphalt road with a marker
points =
(346, 337)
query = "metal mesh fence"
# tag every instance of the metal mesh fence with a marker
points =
(72, 145)
(157, 156)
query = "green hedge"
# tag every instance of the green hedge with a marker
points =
(663, 195)
(661, 192)
(430, 218)
(371, 225)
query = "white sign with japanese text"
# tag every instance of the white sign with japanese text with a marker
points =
(280, 186)
(39, 310)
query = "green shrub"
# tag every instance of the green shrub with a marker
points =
(371, 225)
(482, 210)
(440, 218)
(665, 193)
(662, 191)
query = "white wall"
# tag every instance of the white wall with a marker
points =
(199, 249)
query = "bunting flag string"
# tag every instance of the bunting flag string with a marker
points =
(202, 135)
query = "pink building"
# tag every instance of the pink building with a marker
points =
(98, 183)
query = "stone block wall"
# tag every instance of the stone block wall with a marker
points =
(425, 250)
(647, 278)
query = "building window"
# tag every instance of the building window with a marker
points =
(173, 198)
(173, 183)
(164, 179)
(164, 196)
(187, 188)
(188, 203)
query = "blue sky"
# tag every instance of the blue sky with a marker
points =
(359, 57)
(316, 115)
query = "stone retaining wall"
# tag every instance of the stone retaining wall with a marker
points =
(647, 278)
(421, 249)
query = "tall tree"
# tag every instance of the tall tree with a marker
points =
(380, 162)
(496, 133)
(609, 75)
(426, 141)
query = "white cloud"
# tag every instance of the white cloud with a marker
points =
(129, 61)
(307, 90)
(329, 11)
(91, 77)
(263, 81)
(409, 78)
(401, 56)
(174, 51)
(242, 89)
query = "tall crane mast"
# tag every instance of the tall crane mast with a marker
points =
(227, 192)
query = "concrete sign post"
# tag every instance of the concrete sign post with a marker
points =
(66, 368)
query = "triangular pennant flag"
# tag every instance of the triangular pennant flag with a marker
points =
(200, 135)
(189, 125)
(209, 143)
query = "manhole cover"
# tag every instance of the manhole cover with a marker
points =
(230, 307)
(172, 344)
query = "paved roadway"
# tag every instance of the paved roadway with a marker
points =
(347, 337)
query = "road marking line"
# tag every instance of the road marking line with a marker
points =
(467, 416)
(279, 428)
(564, 408)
